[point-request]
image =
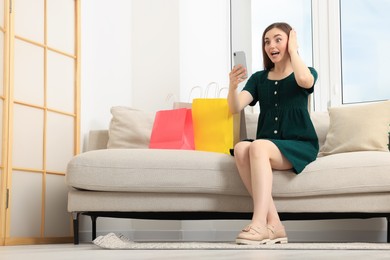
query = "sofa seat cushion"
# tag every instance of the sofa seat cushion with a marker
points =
(155, 170)
(343, 173)
(186, 171)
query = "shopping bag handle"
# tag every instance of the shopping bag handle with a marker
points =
(211, 84)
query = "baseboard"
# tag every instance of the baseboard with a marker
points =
(230, 235)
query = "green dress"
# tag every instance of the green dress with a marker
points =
(284, 118)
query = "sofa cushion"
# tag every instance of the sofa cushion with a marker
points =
(321, 125)
(358, 128)
(129, 128)
(155, 170)
(251, 124)
(342, 173)
(185, 171)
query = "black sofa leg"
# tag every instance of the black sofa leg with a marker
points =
(388, 229)
(93, 219)
(75, 216)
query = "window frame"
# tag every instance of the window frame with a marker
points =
(327, 53)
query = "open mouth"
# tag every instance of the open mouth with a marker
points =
(274, 53)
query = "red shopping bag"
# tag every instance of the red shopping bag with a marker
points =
(172, 129)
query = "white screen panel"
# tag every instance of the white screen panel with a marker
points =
(1, 63)
(27, 137)
(57, 218)
(29, 73)
(60, 82)
(60, 133)
(2, 13)
(26, 204)
(61, 25)
(1, 131)
(29, 19)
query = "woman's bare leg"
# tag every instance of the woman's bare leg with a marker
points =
(264, 156)
(241, 155)
(273, 216)
(255, 162)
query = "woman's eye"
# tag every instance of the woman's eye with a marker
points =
(278, 40)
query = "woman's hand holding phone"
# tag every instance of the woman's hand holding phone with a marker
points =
(237, 75)
(239, 72)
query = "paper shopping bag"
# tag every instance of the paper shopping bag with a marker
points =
(215, 128)
(173, 129)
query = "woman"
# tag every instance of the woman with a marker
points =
(285, 138)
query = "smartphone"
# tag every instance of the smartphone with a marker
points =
(240, 58)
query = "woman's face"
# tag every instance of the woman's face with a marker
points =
(275, 45)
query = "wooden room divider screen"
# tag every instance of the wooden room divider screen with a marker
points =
(39, 103)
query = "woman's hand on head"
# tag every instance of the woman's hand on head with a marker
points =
(292, 42)
(237, 75)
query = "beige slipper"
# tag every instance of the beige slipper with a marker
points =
(252, 235)
(277, 236)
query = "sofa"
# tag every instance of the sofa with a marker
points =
(119, 176)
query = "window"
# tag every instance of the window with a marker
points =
(365, 54)
(250, 18)
(297, 13)
(345, 40)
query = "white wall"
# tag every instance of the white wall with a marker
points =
(155, 52)
(105, 71)
(105, 60)
(242, 30)
(147, 50)
(204, 46)
(142, 50)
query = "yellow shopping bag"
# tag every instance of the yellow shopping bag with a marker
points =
(215, 128)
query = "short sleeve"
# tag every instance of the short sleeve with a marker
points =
(315, 75)
(252, 87)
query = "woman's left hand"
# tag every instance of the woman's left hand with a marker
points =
(292, 42)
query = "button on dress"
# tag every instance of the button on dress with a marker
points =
(284, 118)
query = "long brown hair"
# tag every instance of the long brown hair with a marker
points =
(285, 27)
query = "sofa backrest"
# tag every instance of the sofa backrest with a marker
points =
(98, 139)
(321, 124)
(320, 121)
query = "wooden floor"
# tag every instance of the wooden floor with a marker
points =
(90, 251)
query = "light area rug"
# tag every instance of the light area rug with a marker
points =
(120, 242)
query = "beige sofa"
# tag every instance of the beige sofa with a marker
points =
(181, 185)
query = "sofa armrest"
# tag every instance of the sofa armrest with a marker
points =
(97, 140)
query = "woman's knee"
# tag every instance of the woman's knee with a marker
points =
(260, 148)
(241, 154)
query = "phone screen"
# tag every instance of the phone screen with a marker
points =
(240, 58)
